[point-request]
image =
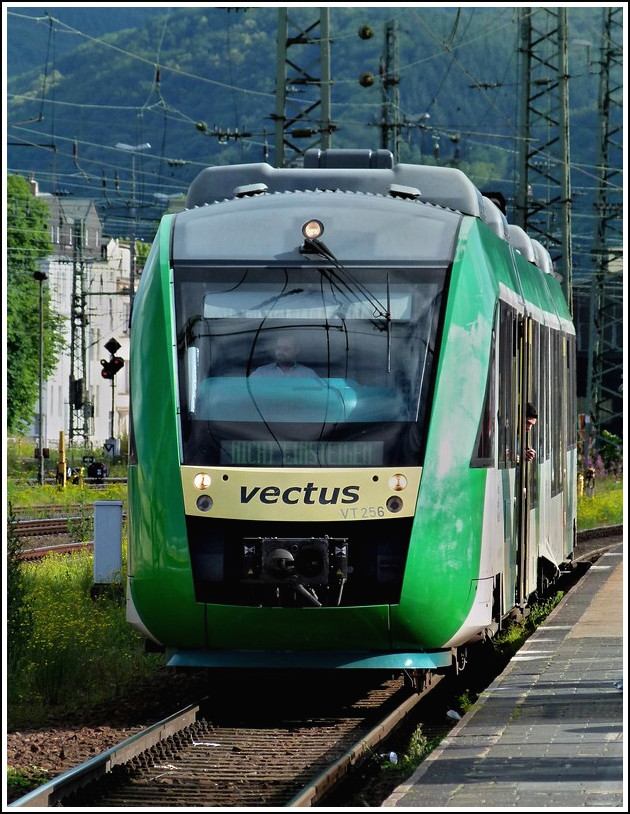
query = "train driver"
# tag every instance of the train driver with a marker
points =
(286, 364)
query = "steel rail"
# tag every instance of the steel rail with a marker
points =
(59, 787)
(337, 771)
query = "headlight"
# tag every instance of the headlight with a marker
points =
(202, 481)
(313, 229)
(397, 482)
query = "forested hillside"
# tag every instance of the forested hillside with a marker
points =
(198, 84)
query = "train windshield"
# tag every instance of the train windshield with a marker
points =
(312, 367)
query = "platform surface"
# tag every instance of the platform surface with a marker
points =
(549, 731)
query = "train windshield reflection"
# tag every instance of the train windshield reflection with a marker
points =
(360, 373)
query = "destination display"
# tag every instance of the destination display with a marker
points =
(302, 453)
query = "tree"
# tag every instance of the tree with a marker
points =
(27, 244)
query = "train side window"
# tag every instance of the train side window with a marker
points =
(507, 413)
(546, 382)
(558, 428)
(571, 386)
(483, 453)
(534, 396)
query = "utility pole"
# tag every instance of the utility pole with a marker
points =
(78, 343)
(391, 125)
(543, 195)
(40, 276)
(132, 211)
(302, 70)
(605, 346)
(390, 83)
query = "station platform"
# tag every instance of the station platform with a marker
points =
(549, 731)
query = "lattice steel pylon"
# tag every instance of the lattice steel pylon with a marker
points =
(543, 195)
(78, 342)
(390, 82)
(303, 66)
(605, 348)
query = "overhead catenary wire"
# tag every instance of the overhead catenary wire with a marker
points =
(459, 37)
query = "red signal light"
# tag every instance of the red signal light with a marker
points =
(117, 364)
(111, 366)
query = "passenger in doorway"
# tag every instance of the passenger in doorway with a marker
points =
(531, 417)
(286, 364)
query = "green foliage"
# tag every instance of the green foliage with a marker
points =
(611, 450)
(541, 610)
(81, 526)
(80, 650)
(17, 779)
(19, 620)
(219, 66)
(25, 51)
(142, 251)
(604, 508)
(508, 641)
(32, 495)
(22, 464)
(502, 647)
(417, 749)
(27, 243)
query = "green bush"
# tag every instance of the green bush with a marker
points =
(23, 465)
(27, 495)
(19, 617)
(23, 781)
(604, 507)
(80, 650)
(611, 451)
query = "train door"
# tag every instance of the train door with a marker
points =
(508, 396)
(518, 369)
(525, 471)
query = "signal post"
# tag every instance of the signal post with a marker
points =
(111, 367)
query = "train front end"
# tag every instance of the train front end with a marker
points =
(273, 517)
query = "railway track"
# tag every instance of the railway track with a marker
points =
(49, 527)
(53, 535)
(94, 483)
(40, 536)
(39, 552)
(46, 511)
(276, 747)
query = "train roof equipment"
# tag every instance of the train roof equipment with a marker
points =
(345, 170)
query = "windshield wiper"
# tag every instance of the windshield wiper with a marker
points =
(315, 246)
(312, 245)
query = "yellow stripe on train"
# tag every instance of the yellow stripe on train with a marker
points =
(249, 493)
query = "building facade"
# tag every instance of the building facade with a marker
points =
(88, 280)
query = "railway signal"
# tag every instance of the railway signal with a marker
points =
(111, 366)
(115, 363)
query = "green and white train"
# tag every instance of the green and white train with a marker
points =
(372, 514)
